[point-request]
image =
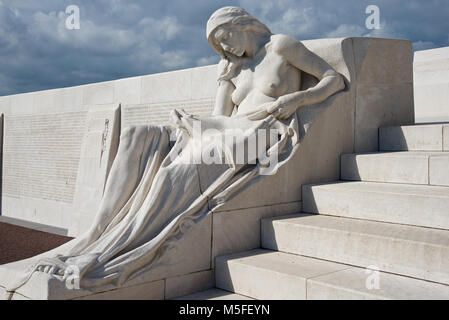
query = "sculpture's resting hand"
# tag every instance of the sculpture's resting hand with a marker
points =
(285, 106)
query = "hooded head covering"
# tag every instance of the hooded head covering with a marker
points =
(222, 16)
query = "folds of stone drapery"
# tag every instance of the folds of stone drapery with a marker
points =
(166, 195)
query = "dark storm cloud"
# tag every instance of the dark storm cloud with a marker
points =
(122, 38)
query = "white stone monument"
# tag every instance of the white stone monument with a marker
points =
(153, 226)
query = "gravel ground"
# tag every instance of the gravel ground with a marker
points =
(17, 243)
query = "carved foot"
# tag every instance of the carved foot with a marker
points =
(50, 269)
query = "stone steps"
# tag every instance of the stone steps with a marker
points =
(264, 274)
(425, 137)
(417, 252)
(425, 168)
(382, 233)
(213, 294)
(417, 205)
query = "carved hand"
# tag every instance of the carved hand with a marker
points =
(285, 106)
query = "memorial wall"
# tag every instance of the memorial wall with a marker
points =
(53, 140)
(41, 155)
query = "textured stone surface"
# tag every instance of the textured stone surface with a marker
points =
(147, 291)
(352, 284)
(398, 203)
(439, 169)
(167, 87)
(34, 226)
(214, 294)
(41, 155)
(22, 104)
(397, 167)
(431, 79)
(48, 212)
(159, 113)
(383, 61)
(99, 148)
(128, 91)
(191, 255)
(446, 137)
(188, 284)
(263, 274)
(380, 105)
(98, 93)
(412, 251)
(204, 82)
(394, 167)
(384, 95)
(239, 230)
(411, 138)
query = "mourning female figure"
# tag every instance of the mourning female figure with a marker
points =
(155, 192)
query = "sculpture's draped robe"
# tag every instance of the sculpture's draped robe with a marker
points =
(170, 196)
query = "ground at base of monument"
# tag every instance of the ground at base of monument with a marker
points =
(18, 243)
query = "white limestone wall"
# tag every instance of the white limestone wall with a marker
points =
(47, 133)
(431, 85)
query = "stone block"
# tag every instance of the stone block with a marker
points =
(393, 167)
(383, 61)
(70, 99)
(189, 283)
(418, 205)
(22, 104)
(351, 284)
(411, 138)
(45, 101)
(42, 211)
(377, 106)
(431, 102)
(204, 82)
(147, 291)
(239, 230)
(431, 74)
(167, 87)
(128, 91)
(384, 93)
(213, 294)
(197, 242)
(98, 93)
(267, 275)
(417, 252)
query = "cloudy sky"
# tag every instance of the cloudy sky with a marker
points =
(124, 38)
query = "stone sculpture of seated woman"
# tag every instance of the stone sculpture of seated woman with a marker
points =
(154, 192)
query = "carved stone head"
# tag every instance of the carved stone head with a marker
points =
(232, 18)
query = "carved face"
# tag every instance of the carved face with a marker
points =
(231, 40)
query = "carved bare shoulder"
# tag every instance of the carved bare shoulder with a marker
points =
(300, 57)
(286, 45)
